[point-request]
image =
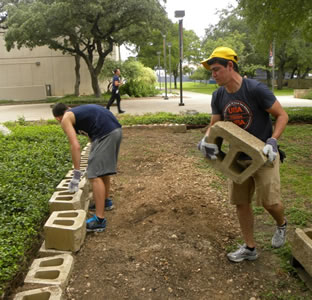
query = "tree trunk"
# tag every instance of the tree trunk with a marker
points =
(306, 72)
(175, 77)
(293, 73)
(94, 79)
(280, 77)
(95, 85)
(77, 73)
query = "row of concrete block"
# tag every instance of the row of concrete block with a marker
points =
(64, 233)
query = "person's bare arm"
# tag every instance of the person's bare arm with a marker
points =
(281, 119)
(118, 83)
(214, 119)
(67, 124)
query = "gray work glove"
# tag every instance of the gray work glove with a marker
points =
(74, 183)
(208, 150)
(270, 149)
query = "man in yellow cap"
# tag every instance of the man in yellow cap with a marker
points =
(249, 104)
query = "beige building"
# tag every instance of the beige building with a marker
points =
(35, 74)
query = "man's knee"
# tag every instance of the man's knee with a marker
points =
(273, 207)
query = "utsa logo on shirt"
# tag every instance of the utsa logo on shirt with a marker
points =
(239, 113)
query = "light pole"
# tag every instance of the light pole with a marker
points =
(165, 66)
(158, 53)
(180, 14)
(169, 47)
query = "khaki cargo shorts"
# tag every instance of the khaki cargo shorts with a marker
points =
(264, 185)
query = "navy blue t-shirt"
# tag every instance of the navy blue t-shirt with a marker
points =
(246, 107)
(115, 87)
(94, 121)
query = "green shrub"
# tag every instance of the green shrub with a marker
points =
(74, 100)
(299, 114)
(34, 159)
(296, 115)
(140, 82)
(162, 117)
(136, 88)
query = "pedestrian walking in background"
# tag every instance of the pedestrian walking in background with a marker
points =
(115, 91)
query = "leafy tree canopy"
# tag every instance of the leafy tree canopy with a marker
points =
(85, 28)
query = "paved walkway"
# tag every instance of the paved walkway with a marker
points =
(192, 101)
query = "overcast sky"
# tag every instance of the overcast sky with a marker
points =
(199, 14)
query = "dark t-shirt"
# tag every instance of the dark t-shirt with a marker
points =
(94, 121)
(246, 107)
(115, 87)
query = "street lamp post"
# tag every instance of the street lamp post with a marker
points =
(180, 14)
(165, 67)
(169, 47)
(158, 53)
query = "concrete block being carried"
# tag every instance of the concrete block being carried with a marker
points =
(234, 141)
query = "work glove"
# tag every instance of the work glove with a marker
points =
(208, 150)
(74, 183)
(270, 149)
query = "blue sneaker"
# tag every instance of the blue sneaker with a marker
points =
(109, 205)
(95, 225)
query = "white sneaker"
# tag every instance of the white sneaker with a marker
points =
(242, 253)
(279, 237)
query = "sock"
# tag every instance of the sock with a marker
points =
(284, 225)
(251, 249)
(101, 219)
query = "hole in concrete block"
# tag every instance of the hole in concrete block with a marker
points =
(47, 274)
(68, 215)
(309, 234)
(64, 222)
(52, 262)
(65, 193)
(63, 198)
(224, 147)
(239, 167)
(38, 296)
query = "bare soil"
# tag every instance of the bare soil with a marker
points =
(171, 228)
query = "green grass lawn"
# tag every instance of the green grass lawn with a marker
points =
(200, 87)
(296, 173)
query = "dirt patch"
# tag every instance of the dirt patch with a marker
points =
(169, 233)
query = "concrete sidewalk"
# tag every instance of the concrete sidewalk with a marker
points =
(192, 101)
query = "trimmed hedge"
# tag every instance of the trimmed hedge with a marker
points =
(299, 114)
(296, 115)
(161, 118)
(34, 159)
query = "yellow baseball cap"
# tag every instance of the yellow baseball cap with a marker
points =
(221, 52)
